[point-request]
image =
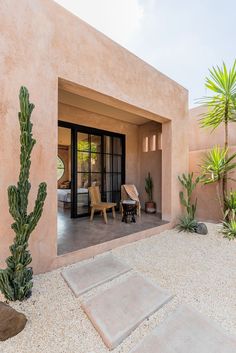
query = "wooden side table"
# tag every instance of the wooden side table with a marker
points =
(129, 211)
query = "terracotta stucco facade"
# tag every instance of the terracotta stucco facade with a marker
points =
(41, 43)
(201, 140)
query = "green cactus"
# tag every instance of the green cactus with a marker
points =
(16, 280)
(149, 186)
(189, 184)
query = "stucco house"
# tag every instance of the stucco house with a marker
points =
(88, 91)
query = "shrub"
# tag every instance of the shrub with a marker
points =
(230, 206)
(217, 162)
(189, 184)
(187, 224)
(229, 229)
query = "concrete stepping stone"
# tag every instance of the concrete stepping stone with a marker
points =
(82, 278)
(117, 311)
(187, 331)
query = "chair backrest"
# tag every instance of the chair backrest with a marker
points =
(95, 195)
(129, 192)
(124, 195)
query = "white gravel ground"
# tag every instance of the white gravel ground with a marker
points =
(200, 270)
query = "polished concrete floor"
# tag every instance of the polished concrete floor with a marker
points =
(79, 233)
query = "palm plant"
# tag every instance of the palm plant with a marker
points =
(221, 105)
(216, 163)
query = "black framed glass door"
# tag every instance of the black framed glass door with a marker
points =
(97, 158)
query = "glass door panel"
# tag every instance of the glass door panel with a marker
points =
(83, 142)
(89, 168)
(96, 143)
(82, 180)
(116, 164)
(83, 173)
(83, 162)
(117, 145)
(97, 162)
(107, 177)
(96, 180)
(107, 144)
(82, 194)
(107, 163)
(94, 158)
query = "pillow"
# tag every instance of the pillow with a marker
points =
(65, 184)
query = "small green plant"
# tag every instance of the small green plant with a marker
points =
(149, 186)
(189, 185)
(187, 224)
(216, 163)
(221, 105)
(229, 229)
(16, 280)
(230, 206)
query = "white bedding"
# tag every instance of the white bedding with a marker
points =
(64, 195)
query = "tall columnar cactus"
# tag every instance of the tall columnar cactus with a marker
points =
(16, 280)
(149, 186)
(189, 185)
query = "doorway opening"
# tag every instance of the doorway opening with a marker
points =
(88, 157)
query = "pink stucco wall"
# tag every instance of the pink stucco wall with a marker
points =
(150, 161)
(203, 138)
(85, 118)
(200, 141)
(41, 42)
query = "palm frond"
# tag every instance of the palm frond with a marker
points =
(216, 163)
(222, 104)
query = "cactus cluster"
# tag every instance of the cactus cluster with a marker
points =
(189, 184)
(16, 280)
(149, 186)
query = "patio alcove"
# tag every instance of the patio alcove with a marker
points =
(93, 114)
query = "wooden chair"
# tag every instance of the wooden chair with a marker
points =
(98, 205)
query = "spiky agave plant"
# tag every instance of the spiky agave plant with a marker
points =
(187, 224)
(230, 206)
(229, 229)
(16, 280)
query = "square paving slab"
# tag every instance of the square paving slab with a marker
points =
(82, 278)
(187, 331)
(117, 311)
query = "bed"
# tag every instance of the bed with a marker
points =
(64, 197)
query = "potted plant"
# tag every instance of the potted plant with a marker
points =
(150, 205)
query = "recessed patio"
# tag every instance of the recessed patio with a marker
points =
(79, 233)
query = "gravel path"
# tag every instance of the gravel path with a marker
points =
(200, 270)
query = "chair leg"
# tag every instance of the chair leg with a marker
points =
(105, 216)
(92, 214)
(114, 212)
